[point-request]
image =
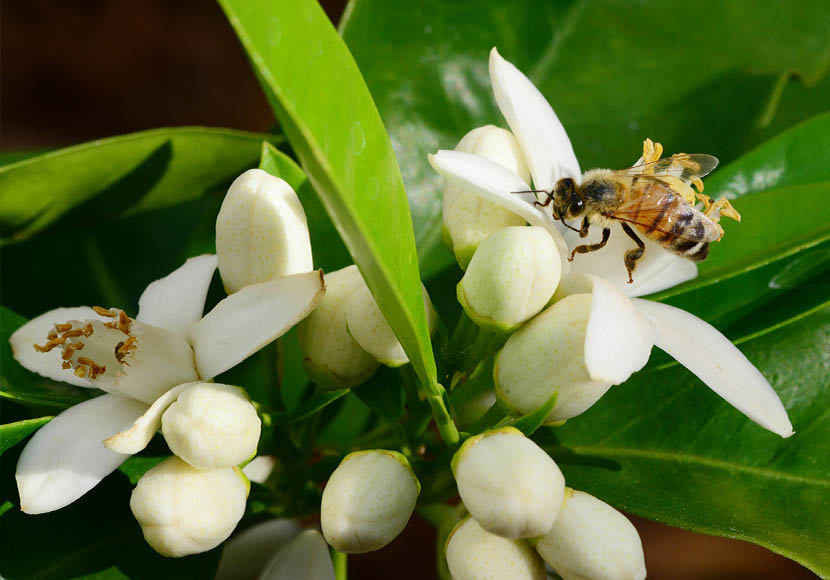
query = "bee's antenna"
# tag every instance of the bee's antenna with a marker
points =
(531, 191)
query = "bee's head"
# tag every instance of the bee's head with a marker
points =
(567, 202)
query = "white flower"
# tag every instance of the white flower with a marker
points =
(616, 338)
(590, 539)
(306, 557)
(143, 364)
(183, 510)
(368, 500)
(508, 483)
(474, 553)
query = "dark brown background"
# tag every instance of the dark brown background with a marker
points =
(85, 69)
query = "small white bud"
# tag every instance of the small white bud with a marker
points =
(332, 358)
(468, 218)
(184, 511)
(508, 483)
(590, 539)
(261, 232)
(511, 277)
(211, 426)
(369, 328)
(368, 500)
(474, 553)
(546, 355)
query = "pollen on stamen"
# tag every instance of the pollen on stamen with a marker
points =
(49, 345)
(104, 312)
(65, 365)
(80, 371)
(63, 327)
(72, 333)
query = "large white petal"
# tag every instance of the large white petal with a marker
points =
(247, 320)
(496, 183)
(542, 137)
(139, 434)
(66, 457)
(699, 347)
(619, 338)
(177, 300)
(305, 558)
(48, 364)
(246, 554)
(657, 270)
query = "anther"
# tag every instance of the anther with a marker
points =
(66, 365)
(88, 330)
(104, 312)
(72, 333)
(80, 371)
(63, 327)
(52, 334)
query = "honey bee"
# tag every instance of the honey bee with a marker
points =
(655, 196)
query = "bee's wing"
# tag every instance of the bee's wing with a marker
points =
(685, 166)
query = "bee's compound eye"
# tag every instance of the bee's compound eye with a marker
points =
(576, 206)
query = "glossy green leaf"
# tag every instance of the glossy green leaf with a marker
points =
(528, 424)
(691, 75)
(665, 447)
(13, 433)
(26, 387)
(334, 128)
(315, 403)
(121, 175)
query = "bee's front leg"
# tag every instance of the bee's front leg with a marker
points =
(583, 230)
(631, 256)
(584, 249)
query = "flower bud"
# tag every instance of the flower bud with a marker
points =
(212, 426)
(332, 358)
(468, 218)
(185, 511)
(590, 539)
(474, 553)
(368, 326)
(509, 485)
(261, 232)
(547, 355)
(368, 501)
(511, 277)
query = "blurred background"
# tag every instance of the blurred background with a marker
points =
(86, 69)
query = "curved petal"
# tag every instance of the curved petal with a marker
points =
(247, 320)
(657, 270)
(305, 558)
(48, 364)
(619, 338)
(177, 300)
(542, 137)
(66, 457)
(138, 436)
(699, 347)
(496, 183)
(246, 554)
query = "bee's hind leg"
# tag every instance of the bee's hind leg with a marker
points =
(584, 249)
(632, 256)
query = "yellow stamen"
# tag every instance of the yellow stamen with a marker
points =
(104, 312)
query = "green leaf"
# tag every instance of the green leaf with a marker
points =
(121, 175)
(334, 128)
(315, 403)
(603, 65)
(13, 433)
(26, 387)
(528, 424)
(665, 447)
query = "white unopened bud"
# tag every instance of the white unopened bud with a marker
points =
(211, 426)
(590, 539)
(511, 277)
(508, 483)
(474, 553)
(369, 328)
(261, 231)
(548, 355)
(184, 511)
(368, 501)
(468, 218)
(332, 358)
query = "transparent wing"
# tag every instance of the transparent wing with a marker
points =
(685, 166)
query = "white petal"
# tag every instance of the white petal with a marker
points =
(259, 468)
(246, 554)
(305, 558)
(177, 300)
(66, 457)
(543, 139)
(247, 320)
(657, 270)
(619, 338)
(498, 184)
(138, 436)
(699, 347)
(48, 364)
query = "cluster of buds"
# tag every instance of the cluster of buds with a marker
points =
(522, 516)
(347, 338)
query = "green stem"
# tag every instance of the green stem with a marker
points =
(339, 559)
